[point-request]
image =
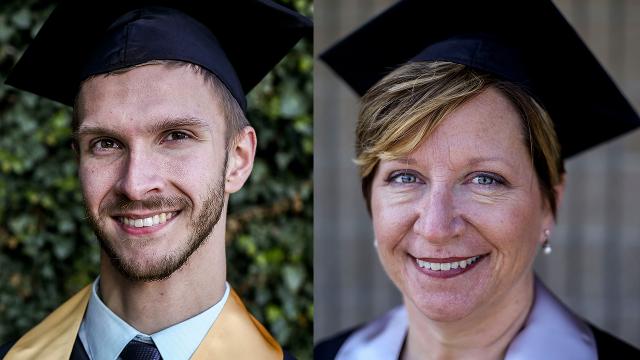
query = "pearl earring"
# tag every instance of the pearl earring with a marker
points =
(546, 245)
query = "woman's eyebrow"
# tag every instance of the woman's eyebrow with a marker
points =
(469, 162)
(406, 160)
(494, 159)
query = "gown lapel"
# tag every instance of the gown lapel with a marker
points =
(54, 337)
(236, 334)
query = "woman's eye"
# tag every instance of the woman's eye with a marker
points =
(404, 178)
(485, 180)
(176, 136)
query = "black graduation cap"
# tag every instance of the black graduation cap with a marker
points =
(527, 42)
(239, 41)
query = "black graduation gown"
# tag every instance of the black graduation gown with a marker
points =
(78, 352)
(609, 347)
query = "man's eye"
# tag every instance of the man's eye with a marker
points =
(176, 136)
(103, 144)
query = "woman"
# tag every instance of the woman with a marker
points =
(462, 172)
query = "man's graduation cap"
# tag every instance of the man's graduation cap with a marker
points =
(239, 41)
(526, 42)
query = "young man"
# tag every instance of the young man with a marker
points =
(162, 140)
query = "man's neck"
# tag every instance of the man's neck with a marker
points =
(153, 306)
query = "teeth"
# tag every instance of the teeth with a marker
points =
(146, 222)
(447, 266)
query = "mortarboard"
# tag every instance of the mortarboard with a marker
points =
(525, 42)
(239, 41)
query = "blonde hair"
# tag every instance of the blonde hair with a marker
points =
(406, 106)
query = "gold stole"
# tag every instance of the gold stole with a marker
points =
(235, 334)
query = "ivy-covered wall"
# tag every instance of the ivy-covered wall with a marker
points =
(47, 250)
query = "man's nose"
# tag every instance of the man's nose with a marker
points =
(140, 176)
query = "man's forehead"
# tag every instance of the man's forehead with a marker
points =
(155, 91)
(151, 77)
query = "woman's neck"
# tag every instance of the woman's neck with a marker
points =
(484, 334)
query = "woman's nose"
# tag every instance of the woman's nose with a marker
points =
(437, 219)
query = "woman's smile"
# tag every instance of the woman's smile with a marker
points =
(445, 268)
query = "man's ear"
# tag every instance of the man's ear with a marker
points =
(75, 147)
(240, 161)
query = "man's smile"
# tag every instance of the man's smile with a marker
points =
(145, 223)
(146, 220)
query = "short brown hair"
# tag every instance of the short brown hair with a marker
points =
(407, 105)
(231, 110)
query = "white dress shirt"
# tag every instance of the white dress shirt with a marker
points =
(550, 332)
(104, 335)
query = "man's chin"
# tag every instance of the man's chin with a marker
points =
(145, 258)
(146, 271)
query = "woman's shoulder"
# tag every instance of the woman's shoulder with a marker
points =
(328, 348)
(383, 335)
(608, 345)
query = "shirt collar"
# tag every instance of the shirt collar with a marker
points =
(551, 331)
(104, 334)
(380, 339)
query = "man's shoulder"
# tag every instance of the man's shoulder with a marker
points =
(78, 352)
(287, 356)
(4, 348)
(608, 345)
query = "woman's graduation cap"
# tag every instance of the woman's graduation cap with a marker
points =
(239, 41)
(526, 42)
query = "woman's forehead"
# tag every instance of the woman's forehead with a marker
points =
(487, 127)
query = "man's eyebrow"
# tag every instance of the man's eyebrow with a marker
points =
(176, 123)
(160, 126)
(93, 130)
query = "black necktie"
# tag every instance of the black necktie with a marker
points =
(137, 350)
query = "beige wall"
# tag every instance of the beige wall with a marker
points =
(595, 265)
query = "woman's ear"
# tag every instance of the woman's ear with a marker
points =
(240, 161)
(559, 190)
(550, 219)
